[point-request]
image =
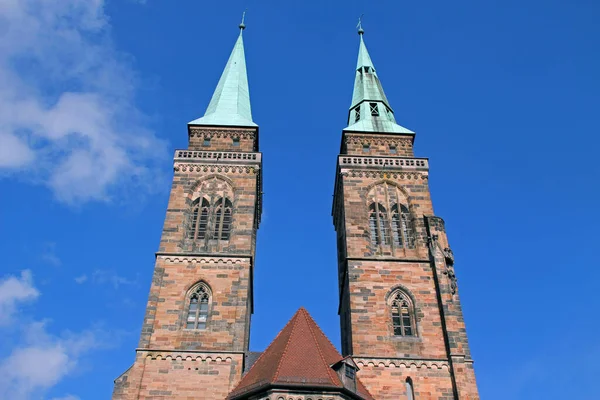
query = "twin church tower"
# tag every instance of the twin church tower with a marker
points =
(403, 334)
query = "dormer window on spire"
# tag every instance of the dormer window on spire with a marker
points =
(357, 114)
(374, 109)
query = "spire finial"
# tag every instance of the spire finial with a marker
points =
(359, 25)
(242, 25)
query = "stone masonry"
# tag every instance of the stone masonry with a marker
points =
(380, 167)
(173, 362)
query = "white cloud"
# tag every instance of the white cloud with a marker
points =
(81, 279)
(67, 109)
(15, 290)
(39, 360)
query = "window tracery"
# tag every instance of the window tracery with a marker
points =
(403, 314)
(211, 217)
(198, 307)
(390, 221)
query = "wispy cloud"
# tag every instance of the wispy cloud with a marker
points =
(105, 276)
(49, 254)
(67, 109)
(15, 291)
(39, 360)
(81, 279)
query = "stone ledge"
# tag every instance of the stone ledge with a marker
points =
(400, 163)
(401, 363)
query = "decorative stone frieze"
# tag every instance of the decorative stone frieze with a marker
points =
(202, 260)
(385, 175)
(179, 167)
(222, 133)
(401, 363)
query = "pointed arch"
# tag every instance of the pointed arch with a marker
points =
(402, 227)
(198, 303)
(390, 218)
(199, 223)
(403, 315)
(211, 216)
(410, 389)
(379, 224)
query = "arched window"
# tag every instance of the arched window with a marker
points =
(197, 307)
(222, 227)
(403, 314)
(402, 231)
(199, 223)
(410, 390)
(378, 224)
(215, 218)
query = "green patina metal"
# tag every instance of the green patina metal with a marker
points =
(230, 103)
(370, 110)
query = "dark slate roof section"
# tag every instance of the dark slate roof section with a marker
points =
(251, 358)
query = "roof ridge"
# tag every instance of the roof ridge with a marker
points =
(285, 349)
(310, 327)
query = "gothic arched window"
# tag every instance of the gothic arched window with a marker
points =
(197, 307)
(402, 231)
(222, 226)
(403, 314)
(199, 223)
(378, 224)
(212, 220)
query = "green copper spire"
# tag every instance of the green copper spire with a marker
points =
(230, 104)
(370, 110)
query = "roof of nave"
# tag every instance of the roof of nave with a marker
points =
(300, 356)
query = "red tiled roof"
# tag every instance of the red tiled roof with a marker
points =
(301, 355)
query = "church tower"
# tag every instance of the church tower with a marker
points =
(400, 312)
(196, 329)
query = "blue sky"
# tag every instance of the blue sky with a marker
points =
(95, 97)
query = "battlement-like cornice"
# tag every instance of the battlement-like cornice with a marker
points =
(218, 157)
(383, 163)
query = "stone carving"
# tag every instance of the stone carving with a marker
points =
(449, 272)
(222, 133)
(215, 168)
(384, 175)
(378, 141)
(449, 256)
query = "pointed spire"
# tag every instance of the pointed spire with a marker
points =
(230, 103)
(370, 110)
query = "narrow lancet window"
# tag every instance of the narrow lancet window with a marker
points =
(378, 224)
(402, 314)
(222, 227)
(198, 305)
(410, 390)
(402, 231)
(200, 210)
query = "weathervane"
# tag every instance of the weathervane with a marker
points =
(359, 25)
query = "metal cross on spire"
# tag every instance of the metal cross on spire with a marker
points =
(359, 25)
(242, 25)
